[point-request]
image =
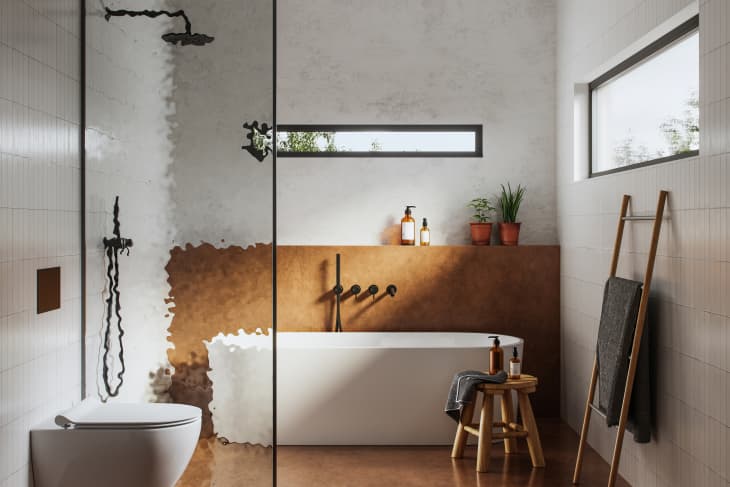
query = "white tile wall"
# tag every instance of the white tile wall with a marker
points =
(691, 308)
(40, 366)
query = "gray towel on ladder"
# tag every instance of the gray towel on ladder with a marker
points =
(621, 299)
(463, 389)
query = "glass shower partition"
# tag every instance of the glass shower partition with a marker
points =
(179, 103)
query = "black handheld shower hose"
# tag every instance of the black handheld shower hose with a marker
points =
(113, 247)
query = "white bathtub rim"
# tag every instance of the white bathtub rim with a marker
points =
(367, 340)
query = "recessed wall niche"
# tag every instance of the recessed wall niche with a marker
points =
(48, 289)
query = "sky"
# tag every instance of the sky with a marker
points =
(404, 141)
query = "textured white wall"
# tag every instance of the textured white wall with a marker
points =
(416, 61)
(40, 355)
(223, 195)
(129, 110)
(690, 285)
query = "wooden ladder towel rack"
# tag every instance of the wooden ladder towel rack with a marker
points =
(639, 330)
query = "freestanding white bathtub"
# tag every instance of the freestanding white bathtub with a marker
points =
(373, 388)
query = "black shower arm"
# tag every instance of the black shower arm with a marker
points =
(149, 13)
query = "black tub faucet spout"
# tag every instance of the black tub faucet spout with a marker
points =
(338, 292)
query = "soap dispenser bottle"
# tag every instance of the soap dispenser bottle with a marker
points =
(515, 365)
(496, 356)
(408, 228)
(425, 234)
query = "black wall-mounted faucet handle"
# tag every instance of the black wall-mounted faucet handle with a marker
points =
(391, 290)
(355, 289)
(373, 289)
(338, 289)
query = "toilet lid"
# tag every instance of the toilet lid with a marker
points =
(91, 413)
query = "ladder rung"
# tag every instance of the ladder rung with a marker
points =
(596, 409)
(638, 218)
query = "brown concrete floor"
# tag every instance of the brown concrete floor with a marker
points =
(217, 465)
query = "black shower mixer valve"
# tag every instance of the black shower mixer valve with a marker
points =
(118, 243)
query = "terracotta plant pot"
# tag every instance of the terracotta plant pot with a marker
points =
(481, 233)
(509, 233)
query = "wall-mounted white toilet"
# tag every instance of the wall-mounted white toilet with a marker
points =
(115, 445)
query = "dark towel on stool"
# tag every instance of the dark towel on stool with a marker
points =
(463, 389)
(621, 299)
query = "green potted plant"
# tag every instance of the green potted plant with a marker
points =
(481, 228)
(509, 202)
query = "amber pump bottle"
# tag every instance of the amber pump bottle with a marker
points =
(425, 234)
(496, 356)
(408, 228)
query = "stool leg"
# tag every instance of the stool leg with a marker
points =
(485, 432)
(467, 414)
(533, 436)
(510, 444)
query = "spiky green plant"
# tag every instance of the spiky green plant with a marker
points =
(509, 202)
(482, 208)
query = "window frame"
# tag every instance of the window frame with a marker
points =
(664, 41)
(476, 128)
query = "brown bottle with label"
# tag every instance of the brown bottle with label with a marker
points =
(515, 365)
(408, 228)
(425, 234)
(496, 356)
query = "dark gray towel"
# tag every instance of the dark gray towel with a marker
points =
(463, 389)
(621, 299)
(641, 399)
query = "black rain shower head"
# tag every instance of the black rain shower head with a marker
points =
(186, 38)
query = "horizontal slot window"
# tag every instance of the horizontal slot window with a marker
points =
(646, 110)
(379, 140)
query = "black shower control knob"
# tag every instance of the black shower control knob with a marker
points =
(338, 289)
(355, 289)
(391, 290)
(373, 289)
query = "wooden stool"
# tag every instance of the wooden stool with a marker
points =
(524, 386)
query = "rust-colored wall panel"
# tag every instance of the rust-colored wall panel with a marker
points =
(216, 290)
(510, 290)
(213, 290)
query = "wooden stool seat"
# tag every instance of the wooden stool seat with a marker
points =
(524, 382)
(524, 386)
